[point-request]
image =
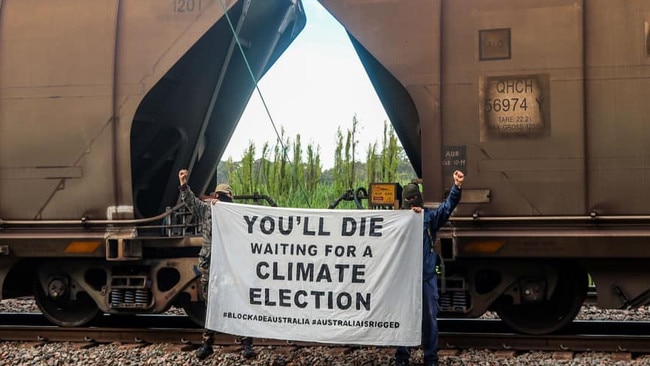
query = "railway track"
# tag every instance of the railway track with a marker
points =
(455, 334)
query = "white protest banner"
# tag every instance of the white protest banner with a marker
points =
(316, 275)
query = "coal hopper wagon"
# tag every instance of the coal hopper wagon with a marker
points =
(544, 105)
(101, 103)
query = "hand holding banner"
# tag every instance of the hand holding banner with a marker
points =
(333, 276)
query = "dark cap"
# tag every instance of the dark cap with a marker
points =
(411, 196)
(410, 190)
(223, 188)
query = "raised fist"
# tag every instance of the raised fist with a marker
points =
(459, 177)
(182, 176)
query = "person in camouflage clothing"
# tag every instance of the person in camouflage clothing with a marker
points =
(202, 212)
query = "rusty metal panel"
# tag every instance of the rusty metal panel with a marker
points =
(513, 107)
(462, 63)
(618, 91)
(55, 97)
(547, 101)
(494, 44)
(583, 145)
(72, 74)
(512, 96)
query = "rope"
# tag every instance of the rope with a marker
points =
(259, 92)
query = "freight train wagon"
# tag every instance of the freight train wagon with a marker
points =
(101, 103)
(544, 104)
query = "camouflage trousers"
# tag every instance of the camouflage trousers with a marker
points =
(203, 285)
(204, 269)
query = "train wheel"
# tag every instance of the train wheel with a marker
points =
(549, 315)
(196, 311)
(57, 306)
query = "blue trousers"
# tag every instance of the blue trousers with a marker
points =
(429, 325)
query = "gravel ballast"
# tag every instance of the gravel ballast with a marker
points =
(55, 354)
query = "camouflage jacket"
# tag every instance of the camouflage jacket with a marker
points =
(200, 211)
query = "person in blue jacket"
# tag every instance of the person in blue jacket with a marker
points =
(433, 220)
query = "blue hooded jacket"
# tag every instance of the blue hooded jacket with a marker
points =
(433, 220)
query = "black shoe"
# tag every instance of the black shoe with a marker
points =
(204, 351)
(432, 363)
(248, 351)
(401, 362)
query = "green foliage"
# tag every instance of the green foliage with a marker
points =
(294, 182)
(372, 164)
(314, 168)
(339, 172)
(390, 155)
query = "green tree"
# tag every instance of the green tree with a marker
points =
(372, 164)
(301, 182)
(339, 163)
(389, 154)
(314, 168)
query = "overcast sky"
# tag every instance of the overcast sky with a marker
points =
(316, 86)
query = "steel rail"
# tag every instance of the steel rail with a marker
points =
(455, 334)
